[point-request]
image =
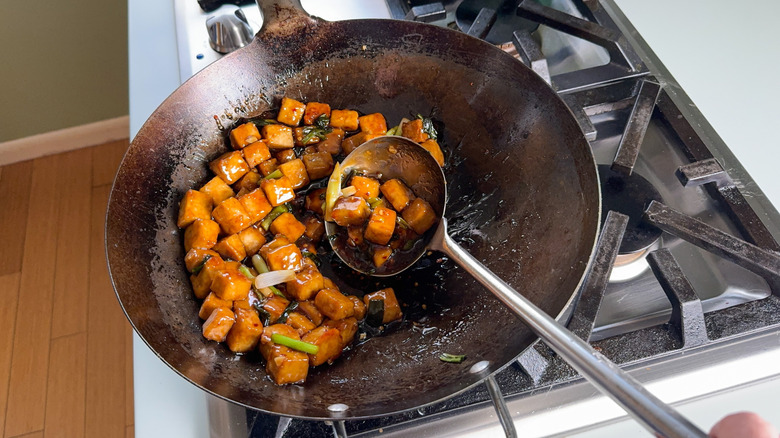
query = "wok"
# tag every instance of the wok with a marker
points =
(523, 198)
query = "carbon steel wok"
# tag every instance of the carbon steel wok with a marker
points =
(523, 198)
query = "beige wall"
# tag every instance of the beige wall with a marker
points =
(63, 63)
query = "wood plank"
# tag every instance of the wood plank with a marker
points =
(30, 361)
(36, 434)
(130, 432)
(9, 295)
(129, 400)
(14, 197)
(66, 386)
(71, 269)
(105, 161)
(106, 325)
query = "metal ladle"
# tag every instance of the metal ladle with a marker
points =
(398, 157)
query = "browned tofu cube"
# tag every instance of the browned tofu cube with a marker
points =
(231, 285)
(231, 247)
(201, 282)
(328, 342)
(300, 323)
(256, 153)
(366, 187)
(255, 204)
(307, 282)
(334, 304)
(243, 135)
(318, 164)
(268, 167)
(295, 171)
(287, 225)
(332, 142)
(218, 324)
(281, 254)
(217, 189)
(278, 137)
(309, 150)
(196, 257)
(275, 306)
(310, 310)
(291, 111)
(313, 111)
(392, 308)
(201, 234)
(344, 119)
(355, 234)
(278, 191)
(347, 329)
(286, 365)
(360, 307)
(315, 200)
(248, 182)
(211, 303)
(414, 131)
(352, 142)
(252, 239)
(432, 146)
(266, 344)
(231, 216)
(350, 210)
(419, 215)
(194, 205)
(284, 156)
(380, 226)
(230, 166)
(381, 254)
(329, 284)
(245, 334)
(315, 228)
(373, 124)
(397, 193)
(304, 137)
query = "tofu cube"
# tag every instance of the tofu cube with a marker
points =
(380, 226)
(268, 167)
(230, 166)
(392, 308)
(373, 124)
(218, 324)
(278, 137)
(278, 191)
(245, 334)
(211, 303)
(334, 304)
(328, 341)
(414, 131)
(318, 164)
(256, 153)
(432, 146)
(231, 216)
(231, 247)
(419, 215)
(201, 234)
(350, 210)
(302, 132)
(295, 171)
(397, 193)
(344, 119)
(315, 199)
(287, 225)
(201, 282)
(381, 254)
(310, 311)
(217, 189)
(366, 187)
(248, 182)
(360, 307)
(332, 142)
(194, 205)
(315, 228)
(347, 329)
(231, 285)
(285, 155)
(275, 306)
(196, 257)
(243, 135)
(266, 344)
(281, 254)
(255, 204)
(252, 239)
(307, 282)
(286, 365)
(291, 112)
(313, 111)
(300, 323)
(351, 143)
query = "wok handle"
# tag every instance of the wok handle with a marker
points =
(281, 13)
(650, 411)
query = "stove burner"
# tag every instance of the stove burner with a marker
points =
(506, 21)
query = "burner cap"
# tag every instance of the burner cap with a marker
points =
(629, 195)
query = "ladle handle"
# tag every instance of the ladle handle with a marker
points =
(650, 411)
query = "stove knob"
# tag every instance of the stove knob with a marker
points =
(229, 32)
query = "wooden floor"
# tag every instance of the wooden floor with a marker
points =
(65, 345)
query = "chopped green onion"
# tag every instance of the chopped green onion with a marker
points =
(374, 202)
(452, 358)
(244, 270)
(323, 122)
(276, 174)
(200, 266)
(294, 344)
(276, 291)
(394, 130)
(265, 317)
(375, 313)
(409, 244)
(312, 256)
(262, 122)
(268, 279)
(402, 222)
(283, 317)
(427, 127)
(259, 264)
(333, 190)
(275, 213)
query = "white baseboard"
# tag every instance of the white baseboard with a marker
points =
(64, 140)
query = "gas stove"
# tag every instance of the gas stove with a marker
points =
(686, 277)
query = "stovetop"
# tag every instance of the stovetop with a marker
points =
(638, 121)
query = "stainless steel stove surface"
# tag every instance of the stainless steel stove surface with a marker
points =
(703, 291)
